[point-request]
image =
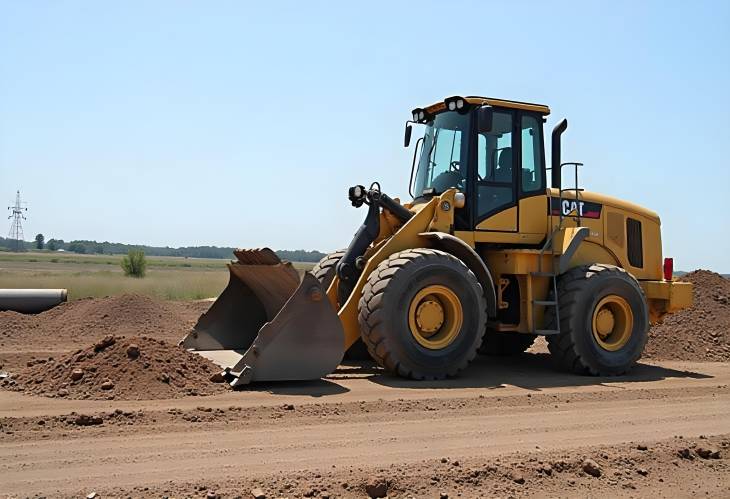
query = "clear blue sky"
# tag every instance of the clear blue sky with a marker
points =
(243, 123)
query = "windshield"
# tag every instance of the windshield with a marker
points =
(442, 164)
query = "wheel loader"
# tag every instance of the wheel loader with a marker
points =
(494, 249)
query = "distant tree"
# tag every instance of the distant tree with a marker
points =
(99, 248)
(135, 263)
(77, 247)
(39, 240)
(52, 244)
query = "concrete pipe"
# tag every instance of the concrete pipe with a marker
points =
(31, 301)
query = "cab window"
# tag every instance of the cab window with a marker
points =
(495, 188)
(532, 169)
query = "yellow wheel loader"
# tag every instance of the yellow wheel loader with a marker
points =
(491, 252)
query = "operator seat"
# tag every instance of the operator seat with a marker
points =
(503, 172)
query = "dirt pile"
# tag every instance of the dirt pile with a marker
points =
(76, 323)
(701, 332)
(135, 368)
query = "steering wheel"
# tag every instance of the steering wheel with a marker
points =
(447, 180)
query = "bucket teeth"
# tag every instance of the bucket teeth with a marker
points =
(258, 256)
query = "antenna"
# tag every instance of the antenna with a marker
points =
(16, 228)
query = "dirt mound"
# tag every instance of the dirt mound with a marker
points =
(701, 332)
(75, 324)
(136, 368)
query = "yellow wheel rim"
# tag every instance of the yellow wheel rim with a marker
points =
(435, 317)
(612, 323)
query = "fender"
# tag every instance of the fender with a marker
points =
(455, 246)
(567, 242)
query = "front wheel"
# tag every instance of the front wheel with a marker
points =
(422, 314)
(604, 321)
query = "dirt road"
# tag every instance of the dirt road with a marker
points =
(359, 425)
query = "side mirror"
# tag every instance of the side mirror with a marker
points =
(407, 138)
(485, 115)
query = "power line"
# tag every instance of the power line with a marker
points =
(16, 227)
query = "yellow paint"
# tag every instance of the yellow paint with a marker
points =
(407, 237)
(665, 297)
(533, 215)
(615, 229)
(504, 220)
(467, 236)
(435, 317)
(563, 238)
(443, 216)
(606, 243)
(612, 323)
(589, 253)
(608, 201)
(504, 237)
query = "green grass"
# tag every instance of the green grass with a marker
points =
(170, 278)
(78, 259)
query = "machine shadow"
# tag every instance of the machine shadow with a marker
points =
(314, 388)
(533, 371)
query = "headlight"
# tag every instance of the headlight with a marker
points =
(459, 200)
(455, 103)
(419, 115)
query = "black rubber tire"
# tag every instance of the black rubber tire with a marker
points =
(383, 314)
(501, 344)
(325, 271)
(579, 291)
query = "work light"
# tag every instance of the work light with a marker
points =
(455, 103)
(419, 115)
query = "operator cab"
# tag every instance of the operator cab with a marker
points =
(492, 150)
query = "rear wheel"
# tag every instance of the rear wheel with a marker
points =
(422, 314)
(506, 344)
(604, 321)
(325, 272)
(325, 269)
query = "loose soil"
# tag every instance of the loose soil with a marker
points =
(462, 442)
(670, 468)
(136, 368)
(701, 332)
(508, 427)
(81, 321)
(76, 324)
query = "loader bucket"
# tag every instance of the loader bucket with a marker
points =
(267, 325)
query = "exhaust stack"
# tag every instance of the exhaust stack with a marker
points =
(555, 162)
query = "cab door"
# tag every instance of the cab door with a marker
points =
(533, 212)
(496, 187)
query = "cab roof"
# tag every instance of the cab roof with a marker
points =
(475, 100)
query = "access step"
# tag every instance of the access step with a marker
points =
(545, 303)
(546, 332)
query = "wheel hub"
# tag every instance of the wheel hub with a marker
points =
(435, 317)
(612, 322)
(430, 315)
(605, 322)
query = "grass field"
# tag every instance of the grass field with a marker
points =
(173, 278)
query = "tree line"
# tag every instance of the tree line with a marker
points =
(82, 246)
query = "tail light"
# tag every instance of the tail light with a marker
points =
(668, 269)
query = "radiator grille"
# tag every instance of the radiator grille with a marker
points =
(633, 243)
